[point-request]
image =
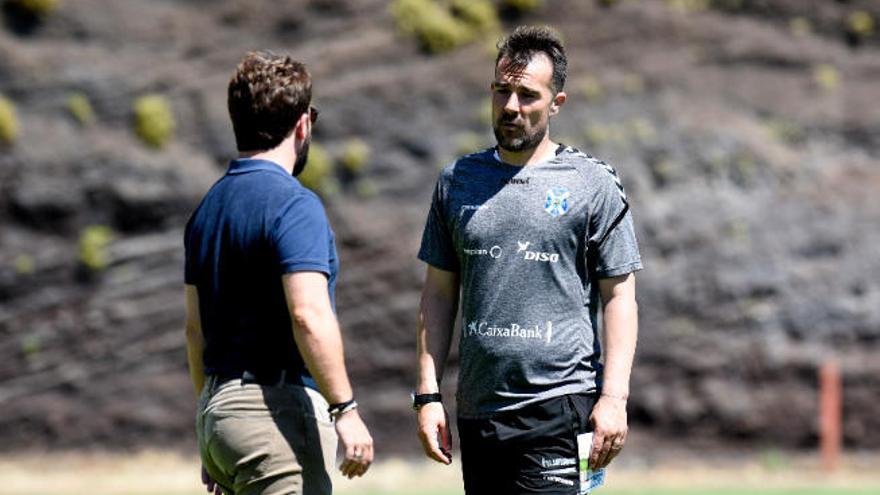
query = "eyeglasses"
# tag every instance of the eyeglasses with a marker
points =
(313, 114)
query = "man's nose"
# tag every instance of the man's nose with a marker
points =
(512, 104)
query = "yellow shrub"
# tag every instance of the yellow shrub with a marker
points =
(861, 24)
(24, 264)
(8, 121)
(441, 26)
(39, 9)
(688, 6)
(826, 76)
(31, 345)
(483, 112)
(366, 188)
(800, 26)
(79, 107)
(434, 27)
(521, 6)
(355, 156)
(153, 120)
(319, 168)
(592, 89)
(784, 130)
(93, 242)
(480, 15)
(643, 130)
(469, 142)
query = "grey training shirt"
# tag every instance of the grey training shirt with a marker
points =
(530, 244)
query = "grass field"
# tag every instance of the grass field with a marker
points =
(155, 473)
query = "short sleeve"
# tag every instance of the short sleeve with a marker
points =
(612, 245)
(301, 235)
(437, 248)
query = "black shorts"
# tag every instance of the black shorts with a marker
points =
(530, 450)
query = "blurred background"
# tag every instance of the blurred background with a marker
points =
(747, 133)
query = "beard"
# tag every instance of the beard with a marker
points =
(524, 141)
(301, 158)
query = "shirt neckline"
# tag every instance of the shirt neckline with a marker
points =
(245, 165)
(558, 151)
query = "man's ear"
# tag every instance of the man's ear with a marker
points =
(303, 127)
(557, 102)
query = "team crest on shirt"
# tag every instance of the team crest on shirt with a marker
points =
(558, 201)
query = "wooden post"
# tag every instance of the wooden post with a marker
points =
(830, 407)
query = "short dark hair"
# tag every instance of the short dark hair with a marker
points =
(267, 94)
(526, 41)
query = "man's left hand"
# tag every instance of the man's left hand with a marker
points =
(609, 430)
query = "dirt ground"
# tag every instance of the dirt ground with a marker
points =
(154, 472)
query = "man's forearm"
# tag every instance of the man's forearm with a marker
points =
(194, 351)
(319, 340)
(436, 321)
(195, 343)
(620, 319)
(432, 350)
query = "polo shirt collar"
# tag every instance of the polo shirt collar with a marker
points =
(245, 165)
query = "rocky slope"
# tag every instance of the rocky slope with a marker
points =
(747, 135)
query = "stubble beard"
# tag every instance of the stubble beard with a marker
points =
(301, 158)
(527, 141)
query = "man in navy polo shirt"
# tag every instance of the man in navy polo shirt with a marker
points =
(263, 343)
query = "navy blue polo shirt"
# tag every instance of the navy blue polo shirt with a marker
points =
(254, 225)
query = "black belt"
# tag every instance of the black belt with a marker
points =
(266, 378)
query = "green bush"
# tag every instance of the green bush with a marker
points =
(860, 24)
(355, 156)
(81, 109)
(521, 6)
(826, 77)
(800, 26)
(688, 6)
(153, 120)
(366, 188)
(441, 26)
(37, 9)
(480, 15)
(785, 130)
(24, 264)
(643, 130)
(592, 89)
(469, 142)
(8, 121)
(31, 345)
(483, 112)
(93, 242)
(599, 135)
(319, 168)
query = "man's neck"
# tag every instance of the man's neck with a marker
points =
(274, 155)
(545, 150)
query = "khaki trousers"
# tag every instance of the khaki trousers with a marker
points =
(257, 439)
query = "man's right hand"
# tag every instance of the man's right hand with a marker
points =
(434, 429)
(356, 442)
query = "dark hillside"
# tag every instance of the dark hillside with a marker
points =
(747, 134)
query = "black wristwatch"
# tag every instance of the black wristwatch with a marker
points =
(419, 400)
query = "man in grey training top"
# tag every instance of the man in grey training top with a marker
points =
(535, 236)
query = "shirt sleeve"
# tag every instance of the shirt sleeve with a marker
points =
(301, 235)
(438, 248)
(612, 246)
